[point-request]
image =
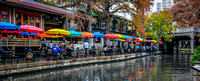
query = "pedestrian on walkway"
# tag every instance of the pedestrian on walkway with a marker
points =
(86, 46)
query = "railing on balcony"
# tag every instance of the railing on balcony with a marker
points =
(187, 29)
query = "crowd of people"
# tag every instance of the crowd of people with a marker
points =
(59, 51)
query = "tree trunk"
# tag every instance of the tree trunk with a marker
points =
(89, 10)
(107, 29)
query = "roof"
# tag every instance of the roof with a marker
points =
(42, 6)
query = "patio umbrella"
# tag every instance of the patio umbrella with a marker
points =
(56, 33)
(10, 32)
(126, 37)
(31, 34)
(25, 34)
(7, 26)
(74, 34)
(111, 36)
(120, 36)
(44, 35)
(32, 29)
(86, 35)
(147, 40)
(98, 34)
(115, 40)
(133, 37)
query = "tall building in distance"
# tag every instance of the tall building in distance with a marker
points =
(159, 5)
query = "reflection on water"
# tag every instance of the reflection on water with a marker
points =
(151, 68)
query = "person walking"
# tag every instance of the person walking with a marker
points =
(86, 46)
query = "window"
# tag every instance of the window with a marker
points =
(18, 19)
(158, 4)
(37, 21)
(25, 18)
(4, 16)
(31, 20)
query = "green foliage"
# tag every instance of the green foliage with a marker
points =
(196, 56)
(159, 25)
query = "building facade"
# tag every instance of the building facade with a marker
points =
(159, 5)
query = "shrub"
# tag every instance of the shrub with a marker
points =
(196, 56)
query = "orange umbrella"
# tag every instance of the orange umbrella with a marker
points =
(86, 34)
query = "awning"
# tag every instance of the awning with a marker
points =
(86, 35)
(98, 34)
(111, 36)
(8, 26)
(59, 32)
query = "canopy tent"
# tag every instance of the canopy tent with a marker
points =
(111, 36)
(120, 36)
(32, 29)
(126, 37)
(86, 35)
(8, 26)
(59, 32)
(98, 34)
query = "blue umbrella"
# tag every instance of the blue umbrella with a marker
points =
(98, 34)
(133, 37)
(147, 40)
(7, 26)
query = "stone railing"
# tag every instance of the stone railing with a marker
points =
(187, 29)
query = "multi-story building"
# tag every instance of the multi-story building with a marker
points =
(159, 5)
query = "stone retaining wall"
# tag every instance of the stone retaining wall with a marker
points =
(28, 67)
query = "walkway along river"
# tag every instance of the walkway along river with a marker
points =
(151, 68)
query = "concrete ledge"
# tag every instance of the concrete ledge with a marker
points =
(28, 67)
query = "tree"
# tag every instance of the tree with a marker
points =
(81, 12)
(160, 25)
(196, 56)
(186, 12)
(107, 8)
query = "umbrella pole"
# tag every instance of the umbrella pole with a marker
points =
(1, 40)
(7, 41)
(29, 41)
(25, 41)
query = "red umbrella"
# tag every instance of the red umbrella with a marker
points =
(32, 29)
(111, 36)
(11, 32)
(137, 39)
(161, 43)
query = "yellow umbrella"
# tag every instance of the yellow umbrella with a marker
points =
(59, 32)
(122, 40)
(120, 36)
(154, 41)
(55, 36)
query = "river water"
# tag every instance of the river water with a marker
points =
(151, 68)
